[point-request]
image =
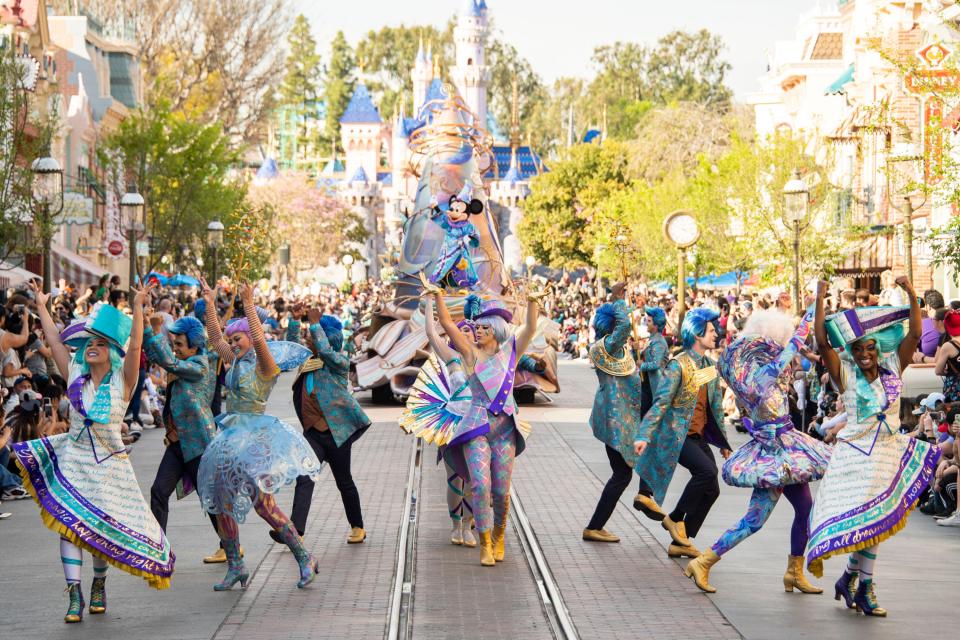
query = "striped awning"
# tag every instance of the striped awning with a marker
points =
(73, 267)
(11, 276)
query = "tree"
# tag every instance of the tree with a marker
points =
(559, 225)
(316, 225)
(688, 66)
(339, 87)
(506, 66)
(182, 169)
(301, 83)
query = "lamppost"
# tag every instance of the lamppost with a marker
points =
(347, 261)
(131, 207)
(796, 198)
(214, 241)
(283, 257)
(907, 169)
(680, 228)
(530, 263)
(47, 194)
(597, 252)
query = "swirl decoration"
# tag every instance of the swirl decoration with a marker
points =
(449, 125)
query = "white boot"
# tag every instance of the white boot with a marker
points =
(456, 537)
(469, 538)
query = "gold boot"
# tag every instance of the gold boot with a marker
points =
(499, 535)
(699, 570)
(677, 531)
(794, 577)
(678, 551)
(486, 549)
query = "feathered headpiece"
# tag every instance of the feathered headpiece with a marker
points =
(604, 320)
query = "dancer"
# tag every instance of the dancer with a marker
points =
(437, 406)
(83, 479)
(254, 455)
(778, 459)
(616, 406)
(491, 438)
(332, 421)
(186, 412)
(876, 474)
(655, 356)
(685, 419)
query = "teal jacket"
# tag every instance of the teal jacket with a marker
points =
(330, 385)
(666, 424)
(615, 417)
(188, 394)
(655, 358)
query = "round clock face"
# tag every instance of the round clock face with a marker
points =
(682, 230)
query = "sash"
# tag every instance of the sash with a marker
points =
(496, 375)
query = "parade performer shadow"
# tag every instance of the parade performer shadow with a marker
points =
(876, 474)
(83, 479)
(778, 460)
(254, 455)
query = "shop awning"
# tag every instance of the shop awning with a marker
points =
(837, 87)
(11, 276)
(73, 267)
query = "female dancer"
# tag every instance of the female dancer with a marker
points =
(254, 455)
(83, 479)
(490, 440)
(875, 475)
(778, 460)
(436, 408)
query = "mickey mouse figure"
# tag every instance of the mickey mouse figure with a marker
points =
(454, 266)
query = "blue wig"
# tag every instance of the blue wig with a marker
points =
(116, 360)
(200, 309)
(604, 320)
(333, 329)
(695, 325)
(658, 316)
(472, 307)
(193, 330)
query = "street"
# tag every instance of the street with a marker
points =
(629, 589)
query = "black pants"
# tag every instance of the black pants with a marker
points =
(339, 460)
(612, 491)
(702, 490)
(172, 468)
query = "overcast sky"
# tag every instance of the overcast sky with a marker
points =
(558, 36)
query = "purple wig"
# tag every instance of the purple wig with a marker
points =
(238, 326)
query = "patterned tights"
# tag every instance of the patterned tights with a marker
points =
(265, 506)
(458, 502)
(762, 502)
(861, 562)
(490, 463)
(72, 559)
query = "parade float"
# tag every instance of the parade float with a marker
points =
(450, 241)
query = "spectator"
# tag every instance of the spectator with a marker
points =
(891, 295)
(932, 332)
(948, 357)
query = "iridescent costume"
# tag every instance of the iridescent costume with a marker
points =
(778, 459)
(454, 265)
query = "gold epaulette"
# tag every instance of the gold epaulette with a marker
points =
(310, 365)
(691, 379)
(620, 367)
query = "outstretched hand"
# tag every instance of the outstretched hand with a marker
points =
(42, 298)
(142, 293)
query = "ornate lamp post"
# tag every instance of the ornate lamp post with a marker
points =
(796, 199)
(131, 208)
(680, 228)
(347, 261)
(530, 263)
(47, 195)
(214, 241)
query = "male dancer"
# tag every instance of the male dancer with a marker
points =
(616, 407)
(186, 412)
(332, 420)
(686, 417)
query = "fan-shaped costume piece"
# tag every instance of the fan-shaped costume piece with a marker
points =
(439, 401)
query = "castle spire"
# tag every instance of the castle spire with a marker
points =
(515, 120)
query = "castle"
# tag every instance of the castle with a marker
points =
(374, 178)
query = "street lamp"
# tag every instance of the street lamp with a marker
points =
(907, 162)
(796, 198)
(347, 261)
(131, 207)
(530, 261)
(47, 194)
(214, 241)
(680, 228)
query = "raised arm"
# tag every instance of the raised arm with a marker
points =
(915, 330)
(131, 361)
(529, 328)
(440, 347)
(212, 321)
(266, 365)
(158, 350)
(17, 340)
(460, 341)
(830, 358)
(61, 355)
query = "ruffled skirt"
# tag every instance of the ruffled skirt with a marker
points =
(776, 458)
(253, 453)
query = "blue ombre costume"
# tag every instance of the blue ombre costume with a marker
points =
(655, 356)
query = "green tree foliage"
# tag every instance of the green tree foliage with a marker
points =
(561, 215)
(339, 87)
(301, 82)
(181, 168)
(506, 65)
(689, 66)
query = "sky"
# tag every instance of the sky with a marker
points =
(558, 36)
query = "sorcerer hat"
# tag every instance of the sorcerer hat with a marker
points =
(848, 326)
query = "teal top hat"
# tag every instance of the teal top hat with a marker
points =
(105, 322)
(846, 327)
